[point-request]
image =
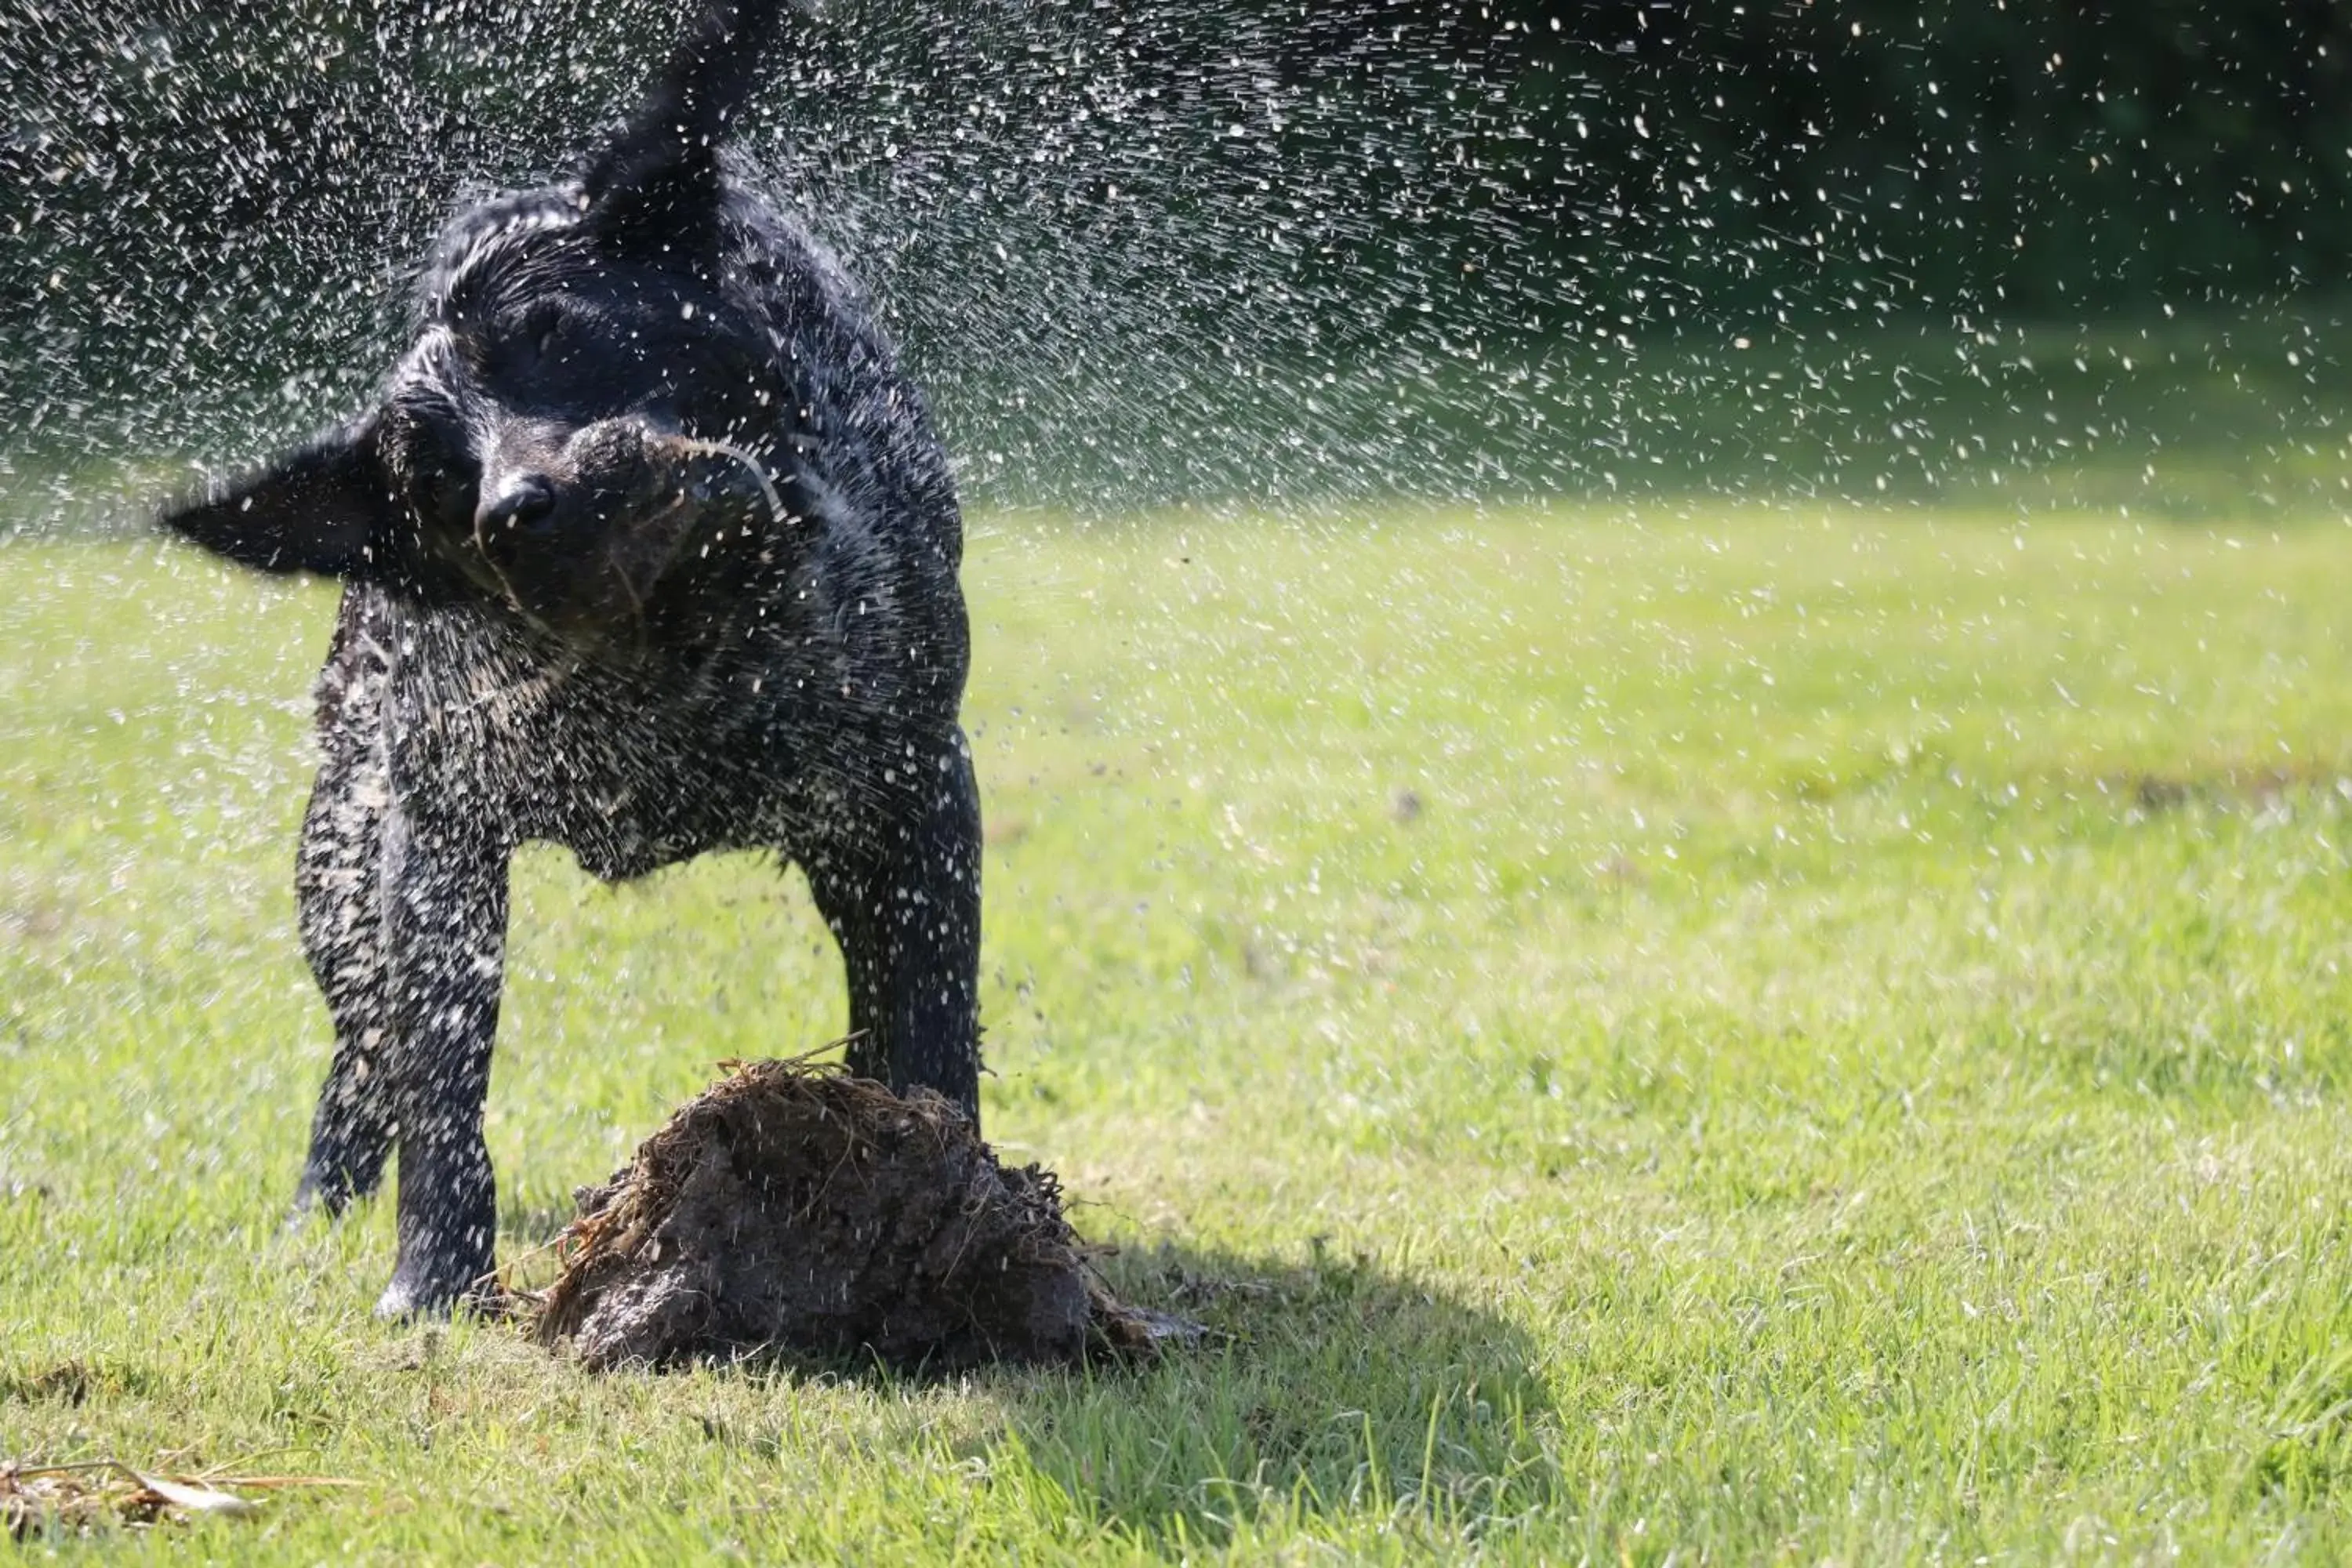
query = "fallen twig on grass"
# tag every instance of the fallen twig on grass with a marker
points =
(92, 1494)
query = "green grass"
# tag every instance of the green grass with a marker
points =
(1700, 1035)
(2222, 413)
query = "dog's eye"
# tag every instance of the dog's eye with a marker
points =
(540, 327)
(412, 438)
(423, 446)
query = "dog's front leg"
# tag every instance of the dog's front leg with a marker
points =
(339, 890)
(445, 910)
(902, 896)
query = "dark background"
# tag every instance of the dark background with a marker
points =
(1196, 247)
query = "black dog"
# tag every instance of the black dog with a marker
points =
(648, 550)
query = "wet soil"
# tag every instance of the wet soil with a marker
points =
(793, 1208)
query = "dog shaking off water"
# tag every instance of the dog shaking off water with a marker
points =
(647, 550)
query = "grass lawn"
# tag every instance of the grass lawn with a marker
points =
(1745, 1034)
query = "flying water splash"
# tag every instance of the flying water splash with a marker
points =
(1207, 250)
(1192, 250)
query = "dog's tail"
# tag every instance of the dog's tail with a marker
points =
(659, 177)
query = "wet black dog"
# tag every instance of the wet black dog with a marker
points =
(648, 550)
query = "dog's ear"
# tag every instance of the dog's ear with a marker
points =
(328, 507)
(656, 185)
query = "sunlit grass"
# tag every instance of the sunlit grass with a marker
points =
(1779, 1034)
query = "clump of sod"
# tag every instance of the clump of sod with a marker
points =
(794, 1207)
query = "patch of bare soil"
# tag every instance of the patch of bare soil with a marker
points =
(794, 1207)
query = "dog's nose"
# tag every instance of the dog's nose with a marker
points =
(526, 502)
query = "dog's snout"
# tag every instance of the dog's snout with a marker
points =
(526, 502)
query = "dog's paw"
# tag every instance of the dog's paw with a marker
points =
(316, 1202)
(437, 1293)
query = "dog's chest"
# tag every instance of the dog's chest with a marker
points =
(631, 771)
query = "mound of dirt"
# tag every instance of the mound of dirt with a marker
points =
(792, 1206)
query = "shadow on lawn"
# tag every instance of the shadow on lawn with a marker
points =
(1342, 1387)
(1328, 1387)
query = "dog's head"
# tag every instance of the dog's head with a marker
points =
(583, 407)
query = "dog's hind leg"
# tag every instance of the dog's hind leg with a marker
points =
(902, 896)
(338, 886)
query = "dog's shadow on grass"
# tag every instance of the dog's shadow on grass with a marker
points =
(1329, 1385)
(1332, 1385)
